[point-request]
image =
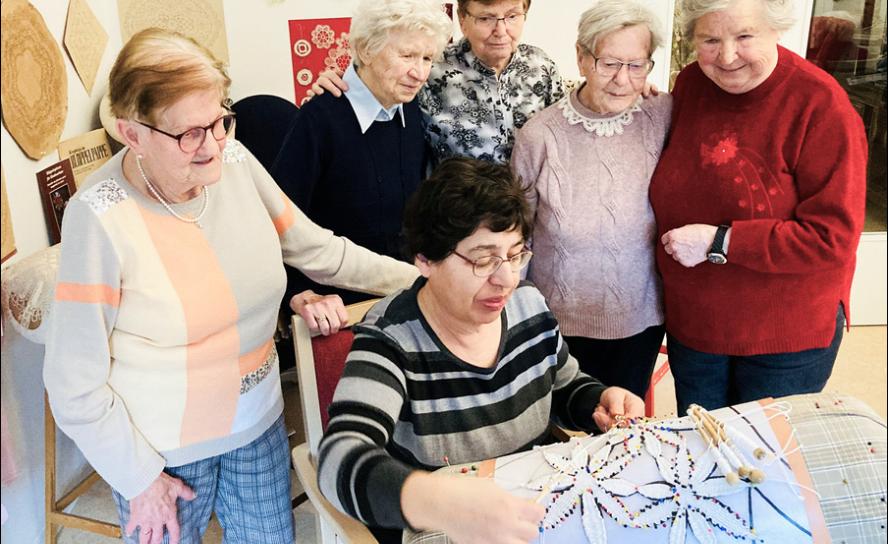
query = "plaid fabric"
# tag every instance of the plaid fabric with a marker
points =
(249, 488)
(844, 445)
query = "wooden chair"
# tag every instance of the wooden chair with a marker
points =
(319, 363)
(55, 508)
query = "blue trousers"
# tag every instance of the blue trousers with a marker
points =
(249, 489)
(716, 380)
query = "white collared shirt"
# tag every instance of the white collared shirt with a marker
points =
(366, 107)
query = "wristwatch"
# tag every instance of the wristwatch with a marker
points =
(717, 254)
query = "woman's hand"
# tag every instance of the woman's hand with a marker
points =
(328, 80)
(616, 401)
(469, 510)
(155, 508)
(649, 90)
(324, 314)
(690, 244)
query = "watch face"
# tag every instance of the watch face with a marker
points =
(716, 258)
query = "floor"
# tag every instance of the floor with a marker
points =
(861, 371)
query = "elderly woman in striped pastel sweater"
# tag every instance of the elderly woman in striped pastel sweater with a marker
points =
(160, 362)
(468, 364)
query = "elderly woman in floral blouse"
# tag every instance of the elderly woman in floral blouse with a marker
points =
(487, 85)
(587, 163)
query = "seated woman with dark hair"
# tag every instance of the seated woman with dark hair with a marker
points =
(467, 364)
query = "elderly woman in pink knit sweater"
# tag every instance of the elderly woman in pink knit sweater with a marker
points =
(587, 162)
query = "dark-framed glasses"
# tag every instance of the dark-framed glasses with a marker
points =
(487, 266)
(489, 22)
(609, 67)
(191, 140)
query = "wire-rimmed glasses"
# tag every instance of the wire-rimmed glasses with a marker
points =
(489, 22)
(608, 67)
(484, 267)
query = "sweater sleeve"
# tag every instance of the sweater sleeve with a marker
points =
(320, 254)
(78, 357)
(528, 156)
(575, 394)
(355, 472)
(830, 178)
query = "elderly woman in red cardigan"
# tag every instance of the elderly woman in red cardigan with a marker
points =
(759, 199)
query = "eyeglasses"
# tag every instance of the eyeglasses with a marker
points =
(489, 22)
(609, 67)
(488, 266)
(191, 140)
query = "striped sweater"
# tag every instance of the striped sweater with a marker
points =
(160, 348)
(405, 401)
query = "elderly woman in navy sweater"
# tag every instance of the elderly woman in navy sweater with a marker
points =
(354, 162)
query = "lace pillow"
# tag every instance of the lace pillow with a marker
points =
(28, 292)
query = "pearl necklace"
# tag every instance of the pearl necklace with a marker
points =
(193, 220)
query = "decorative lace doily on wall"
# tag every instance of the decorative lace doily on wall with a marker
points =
(28, 291)
(33, 80)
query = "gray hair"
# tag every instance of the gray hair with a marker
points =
(610, 15)
(374, 20)
(778, 13)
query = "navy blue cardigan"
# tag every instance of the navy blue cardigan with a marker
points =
(351, 183)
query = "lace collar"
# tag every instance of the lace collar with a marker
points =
(601, 126)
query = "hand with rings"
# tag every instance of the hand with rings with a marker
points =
(324, 314)
(155, 509)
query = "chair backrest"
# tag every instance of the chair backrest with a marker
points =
(319, 364)
(263, 122)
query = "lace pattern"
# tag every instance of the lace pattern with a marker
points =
(28, 292)
(607, 126)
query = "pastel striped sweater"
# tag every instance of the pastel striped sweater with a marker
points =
(405, 401)
(160, 348)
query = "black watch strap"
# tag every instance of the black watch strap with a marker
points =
(718, 245)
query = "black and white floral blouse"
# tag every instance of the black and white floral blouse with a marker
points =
(468, 111)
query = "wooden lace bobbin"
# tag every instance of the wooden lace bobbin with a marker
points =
(718, 429)
(744, 468)
(757, 451)
(727, 447)
(714, 441)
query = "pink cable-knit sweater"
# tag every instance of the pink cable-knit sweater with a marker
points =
(594, 231)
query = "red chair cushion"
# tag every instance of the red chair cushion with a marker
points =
(329, 360)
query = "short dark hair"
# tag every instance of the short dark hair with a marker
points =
(461, 5)
(461, 195)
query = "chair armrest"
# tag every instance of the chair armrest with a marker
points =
(348, 529)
